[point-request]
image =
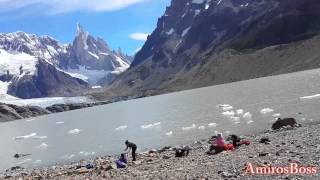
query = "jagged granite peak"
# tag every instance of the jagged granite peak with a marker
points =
(94, 53)
(196, 41)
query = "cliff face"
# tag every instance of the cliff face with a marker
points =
(205, 42)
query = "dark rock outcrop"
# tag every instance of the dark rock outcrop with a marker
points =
(47, 82)
(9, 112)
(285, 122)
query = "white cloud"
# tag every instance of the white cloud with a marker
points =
(65, 6)
(139, 36)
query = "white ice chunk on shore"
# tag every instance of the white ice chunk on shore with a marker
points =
(25, 137)
(266, 111)
(225, 107)
(121, 128)
(228, 113)
(234, 118)
(310, 97)
(228, 108)
(193, 126)
(74, 131)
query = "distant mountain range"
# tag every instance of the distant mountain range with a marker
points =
(39, 66)
(196, 43)
(206, 42)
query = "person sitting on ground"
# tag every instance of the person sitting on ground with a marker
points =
(184, 151)
(133, 147)
(218, 145)
(122, 161)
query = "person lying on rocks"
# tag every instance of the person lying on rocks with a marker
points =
(122, 161)
(218, 145)
(183, 152)
(131, 147)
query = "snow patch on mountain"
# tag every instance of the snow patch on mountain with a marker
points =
(15, 63)
(3, 92)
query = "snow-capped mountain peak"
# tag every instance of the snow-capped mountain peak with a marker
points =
(29, 64)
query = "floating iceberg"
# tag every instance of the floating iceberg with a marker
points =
(212, 125)
(169, 133)
(150, 125)
(247, 115)
(228, 113)
(266, 110)
(240, 111)
(74, 131)
(43, 146)
(121, 128)
(189, 128)
(310, 97)
(26, 136)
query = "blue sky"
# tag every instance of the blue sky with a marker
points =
(122, 23)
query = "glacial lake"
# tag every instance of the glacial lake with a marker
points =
(173, 119)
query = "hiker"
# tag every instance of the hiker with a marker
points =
(122, 161)
(184, 151)
(131, 146)
(218, 145)
(235, 140)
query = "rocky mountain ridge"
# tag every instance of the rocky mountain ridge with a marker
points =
(206, 42)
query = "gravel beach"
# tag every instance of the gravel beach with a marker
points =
(299, 145)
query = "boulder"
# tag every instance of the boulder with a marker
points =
(265, 140)
(280, 123)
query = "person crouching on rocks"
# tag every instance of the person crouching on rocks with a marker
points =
(133, 147)
(218, 145)
(122, 161)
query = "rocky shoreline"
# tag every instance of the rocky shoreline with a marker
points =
(10, 112)
(300, 145)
